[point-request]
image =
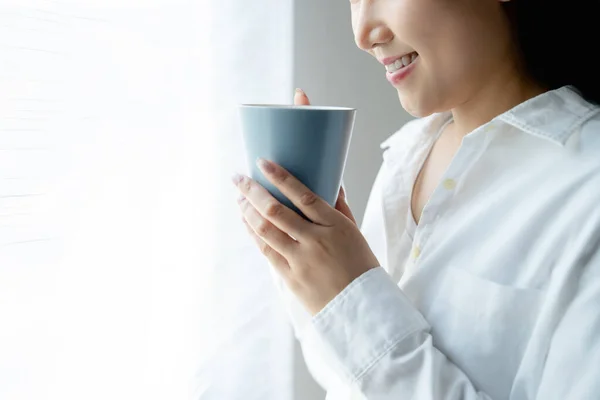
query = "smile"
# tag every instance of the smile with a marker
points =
(403, 62)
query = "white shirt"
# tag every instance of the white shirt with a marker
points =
(498, 294)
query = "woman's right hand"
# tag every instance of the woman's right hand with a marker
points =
(300, 98)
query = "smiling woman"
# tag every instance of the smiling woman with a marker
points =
(483, 219)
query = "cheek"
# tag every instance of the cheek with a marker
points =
(457, 63)
(418, 22)
(454, 60)
(436, 86)
(458, 44)
(449, 63)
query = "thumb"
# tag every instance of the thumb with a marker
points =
(342, 206)
(300, 98)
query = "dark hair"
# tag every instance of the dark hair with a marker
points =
(558, 42)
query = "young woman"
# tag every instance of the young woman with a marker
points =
(476, 271)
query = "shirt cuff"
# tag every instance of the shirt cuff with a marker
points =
(366, 321)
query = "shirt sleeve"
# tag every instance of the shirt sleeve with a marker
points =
(313, 348)
(383, 346)
(311, 345)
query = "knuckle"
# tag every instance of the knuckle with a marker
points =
(273, 209)
(265, 249)
(282, 176)
(322, 243)
(246, 185)
(346, 230)
(263, 228)
(244, 206)
(308, 198)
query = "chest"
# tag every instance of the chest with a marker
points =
(483, 268)
(431, 172)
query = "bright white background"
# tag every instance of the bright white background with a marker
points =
(106, 141)
(125, 272)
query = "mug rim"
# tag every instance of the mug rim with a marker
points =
(298, 107)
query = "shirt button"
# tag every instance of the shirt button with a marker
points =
(416, 252)
(489, 128)
(449, 184)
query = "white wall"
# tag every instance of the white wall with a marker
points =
(333, 71)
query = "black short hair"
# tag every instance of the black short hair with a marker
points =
(558, 42)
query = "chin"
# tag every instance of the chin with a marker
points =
(414, 107)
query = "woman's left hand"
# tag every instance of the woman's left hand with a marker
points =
(318, 259)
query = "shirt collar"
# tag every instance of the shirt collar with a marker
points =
(553, 115)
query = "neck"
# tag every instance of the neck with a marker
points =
(504, 91)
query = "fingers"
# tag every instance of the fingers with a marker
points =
(269, 208)
(342, 206)
(264, 229)
(300, 98)
(313, 206)
(270, 219)
(275, 259)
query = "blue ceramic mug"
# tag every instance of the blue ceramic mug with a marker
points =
(311, 142)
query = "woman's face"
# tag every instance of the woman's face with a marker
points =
(461, 45)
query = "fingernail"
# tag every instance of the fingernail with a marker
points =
(241, 198)
(299, 91)
(265, 165)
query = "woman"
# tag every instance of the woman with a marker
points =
(476, 271)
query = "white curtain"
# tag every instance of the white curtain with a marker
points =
(125, 272)
(251, 357)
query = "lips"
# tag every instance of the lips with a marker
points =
(396, 75)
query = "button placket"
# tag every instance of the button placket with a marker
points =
(440, 197)
(391, 203)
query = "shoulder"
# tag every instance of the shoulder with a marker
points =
(589, 137)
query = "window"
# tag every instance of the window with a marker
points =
(125, 272)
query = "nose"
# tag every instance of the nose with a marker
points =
(369, 30)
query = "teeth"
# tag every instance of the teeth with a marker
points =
(401, 63)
